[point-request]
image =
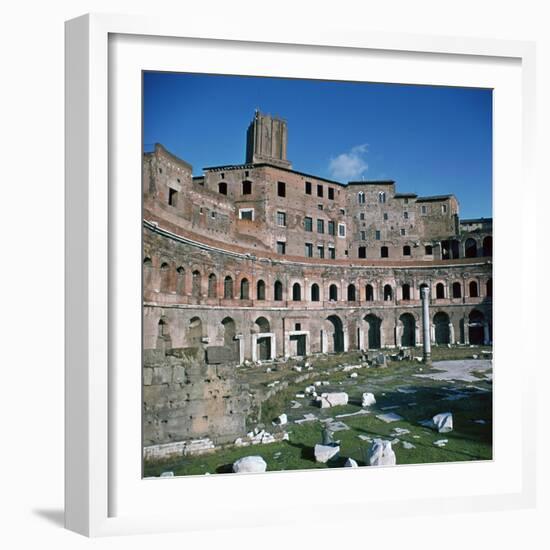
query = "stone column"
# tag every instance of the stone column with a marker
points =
(486, 339)
(451, 334)
(254, 348)
(427, 347)
(346, 340)
(360, 337)
(240, 339)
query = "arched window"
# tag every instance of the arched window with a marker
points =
(180, 280)
(474, 293)
(362, 252)
(247, 187)
(384, 252)
(314, 292)
(439, 291)
(333, 293)
(489, 288)
(244, 289)
(406, 291)
(382, 197)
(162, 328)
(296, 292)
(196, 284)
(361, 197)
(147, 272)
(457, 290)
(278, 291)
(164, 277)
(212, 285)
(228, 288)
(406, 250)
(388, 293)
(222, 188)
(351, 293)
(470, 248)
(260, 290)
(369, 293)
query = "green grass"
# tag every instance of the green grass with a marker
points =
(468, 440)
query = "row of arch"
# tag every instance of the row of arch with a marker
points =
(474, 329)
(243, 291)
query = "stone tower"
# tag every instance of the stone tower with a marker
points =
(266, 140)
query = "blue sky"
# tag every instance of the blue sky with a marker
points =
(430, 140)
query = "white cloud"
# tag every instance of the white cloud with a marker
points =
(349, 166)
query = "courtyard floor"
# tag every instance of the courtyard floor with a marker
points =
(407, 393)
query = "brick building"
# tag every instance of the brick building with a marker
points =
(258, 260)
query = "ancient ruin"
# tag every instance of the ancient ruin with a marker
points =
(256, 261)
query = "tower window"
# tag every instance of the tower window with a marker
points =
(281, 189)
(319, 190)
(172, 197)
(247, 187)
(331, 228)
(281, 219)
(308, 223)
(281, 247)
(309, 250)
(308, 188)
(330, 193)
(320, 226)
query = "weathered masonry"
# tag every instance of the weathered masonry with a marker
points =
(256, 261)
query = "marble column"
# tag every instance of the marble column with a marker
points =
(427, 346)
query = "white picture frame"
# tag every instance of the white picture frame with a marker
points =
(103, 53)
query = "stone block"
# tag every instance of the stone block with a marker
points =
(368, 400)
(443, 422)
(217, 355)
(249, 464)
(323, 453)
(327, 400)
(380, 453)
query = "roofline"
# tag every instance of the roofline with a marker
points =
(268, 165)
(159, 146)
(477, 220)
(372, 182)
(435, 198)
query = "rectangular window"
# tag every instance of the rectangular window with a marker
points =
(363, 235)
(308, 188)
(320, 226)
(428, 250)
(281, 189)
(424, 210)
(321, 251)
(406, 215)
(331, 253)
(297, 326)
(309, 250)
(281, 247)
(362, 216)
(385, 215)
(342, 211)
(246, 214)
(319, 190)
(331, 228)
(319, 207)
(377, 235)
(444, 208)
(172, 197)
(308, 224)
(341, 229)
(212, 214)
(406, 201)
(281, 219)
(402, 232)
(331, 193)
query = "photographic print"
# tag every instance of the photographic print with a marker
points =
(317, 274)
